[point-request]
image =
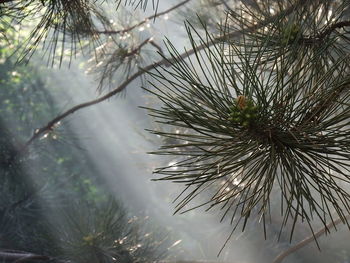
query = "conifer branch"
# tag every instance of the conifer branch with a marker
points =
(325, 33)
(163, 62)
(138, 48)
(21, 257)
(126, 30)
(333, 27)
(309, 239)
(230, 125)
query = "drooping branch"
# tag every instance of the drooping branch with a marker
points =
(309, 239)
(163, 62)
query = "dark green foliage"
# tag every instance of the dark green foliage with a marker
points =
(244, 112)
(302, 30)
(262, 116)
(52, 202)
(31, 183)
(102, 232)
(290, 33)
(58, 27)
(61, 25)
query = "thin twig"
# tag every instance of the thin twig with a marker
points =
(226, 5)
(309, 239)
(330, 29)
(325, 33)
(138, 48)
(21, 257)
(156, 46)
(163, 62)
(113, 32)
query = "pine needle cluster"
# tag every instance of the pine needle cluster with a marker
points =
(61, 28)
(262, 114)
(105, 233)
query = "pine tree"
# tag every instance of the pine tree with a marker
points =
(255, 112)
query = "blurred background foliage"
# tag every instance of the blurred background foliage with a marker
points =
(53, 202)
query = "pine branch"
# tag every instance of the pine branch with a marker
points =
(325, 33)
(21, 257)
(309, 239)
(238, 118)
(113, 32)
(138, 48)
(163, 62)
(330, 29)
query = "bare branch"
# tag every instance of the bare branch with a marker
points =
(325, 33)
(112, 32)
(138, 48)
(309, 239)
(21, 257)
(156, 46)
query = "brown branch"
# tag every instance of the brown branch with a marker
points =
(309, 239)
(330, 29)
(325, 33)
(112, 32)
(160, 50)
(137, 49)
(163, 62)
(21, 257)
(17, 256)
